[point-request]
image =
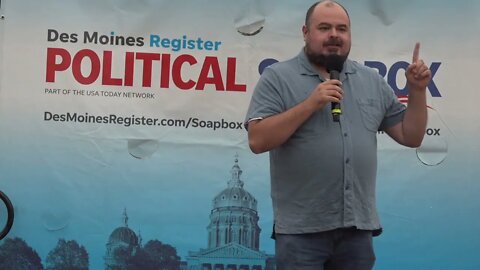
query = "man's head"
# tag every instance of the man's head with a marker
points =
(326, 31)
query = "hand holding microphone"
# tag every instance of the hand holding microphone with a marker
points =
(330, 91)
(334, 65)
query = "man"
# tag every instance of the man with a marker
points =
(323, 172)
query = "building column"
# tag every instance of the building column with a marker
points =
(231, 267)
(244, 267)
(219, 267)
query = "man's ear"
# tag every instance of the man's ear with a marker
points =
(304, 31)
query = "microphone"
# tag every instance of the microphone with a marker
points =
(334, 64)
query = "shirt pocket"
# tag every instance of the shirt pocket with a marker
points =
(372, 114)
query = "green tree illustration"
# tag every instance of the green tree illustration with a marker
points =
(16, 254)
(67, 255)
(155, 255)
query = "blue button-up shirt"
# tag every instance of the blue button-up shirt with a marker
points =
(323, 177)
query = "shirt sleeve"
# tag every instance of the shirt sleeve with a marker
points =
(394, 109)
(266, 98)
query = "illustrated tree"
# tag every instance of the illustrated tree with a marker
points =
(153, 256)
(16, 254)
(123, 257)
(67, 255)
(139, 261)
(161, 256)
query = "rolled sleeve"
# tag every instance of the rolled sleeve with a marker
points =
(266, 100)
(394, 109)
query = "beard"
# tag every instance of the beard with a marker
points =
(320, 59)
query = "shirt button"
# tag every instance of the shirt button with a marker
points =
(347, 187)
(347, 160)
(345, 134)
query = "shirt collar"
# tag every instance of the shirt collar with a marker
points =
(306, 68)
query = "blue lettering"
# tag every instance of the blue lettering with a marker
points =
(392, 78)
(265, 63)
(431, 85)
(381, 67)
(191, 44)
(391, 75)
(154, 41)
(177, 44)
(166, 43)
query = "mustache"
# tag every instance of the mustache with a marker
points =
(333, 42)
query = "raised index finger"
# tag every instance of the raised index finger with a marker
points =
(416, 52)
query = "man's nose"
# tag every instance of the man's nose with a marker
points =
(333, 32)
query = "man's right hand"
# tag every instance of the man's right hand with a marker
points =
(273, 131)
(325, 92)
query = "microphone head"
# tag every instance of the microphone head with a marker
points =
(334, 62)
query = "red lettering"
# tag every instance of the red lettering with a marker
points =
(107, 70)
(231, 72)
(147, 66)
(86, 66)
(177, 71)
(210, 63)
(165, 71)
(52, 65)
(129, 68)
(77, 66)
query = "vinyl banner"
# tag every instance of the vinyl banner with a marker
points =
(123, 143)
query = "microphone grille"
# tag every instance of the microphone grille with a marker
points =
(334, 62)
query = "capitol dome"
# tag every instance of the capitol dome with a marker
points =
(124, 235)
(122, 238)
(234, 195)
(234, 217)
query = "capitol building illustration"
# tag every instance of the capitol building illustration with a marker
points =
(122, 238)
(233, 235)
(233, 232)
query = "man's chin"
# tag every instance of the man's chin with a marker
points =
(321, 59)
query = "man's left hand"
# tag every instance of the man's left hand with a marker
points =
(418, 74)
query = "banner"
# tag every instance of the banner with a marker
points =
(123, 144)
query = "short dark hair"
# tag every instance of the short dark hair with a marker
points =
(312, 7)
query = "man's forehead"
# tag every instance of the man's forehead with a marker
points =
(330, 12)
